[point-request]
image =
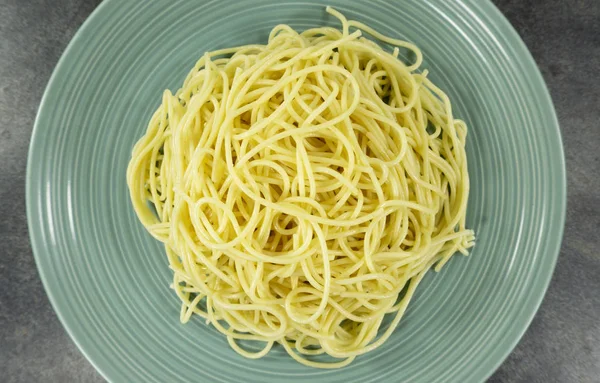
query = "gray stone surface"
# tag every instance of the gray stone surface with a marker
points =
(563, 342)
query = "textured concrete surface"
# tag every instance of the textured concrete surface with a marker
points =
(561, 345)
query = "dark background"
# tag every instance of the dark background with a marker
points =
(563, 341)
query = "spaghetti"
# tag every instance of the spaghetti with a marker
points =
(303, 188)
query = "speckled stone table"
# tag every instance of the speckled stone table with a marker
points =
(563, 341)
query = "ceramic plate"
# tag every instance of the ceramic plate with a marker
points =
(108, 280)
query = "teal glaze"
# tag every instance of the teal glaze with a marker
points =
(108, 280)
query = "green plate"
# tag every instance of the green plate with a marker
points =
(108, 280)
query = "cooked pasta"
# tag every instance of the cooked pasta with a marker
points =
(303, 188)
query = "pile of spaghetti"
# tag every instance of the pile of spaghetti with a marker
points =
(303, 188)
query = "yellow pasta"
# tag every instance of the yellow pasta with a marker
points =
(303, 188)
